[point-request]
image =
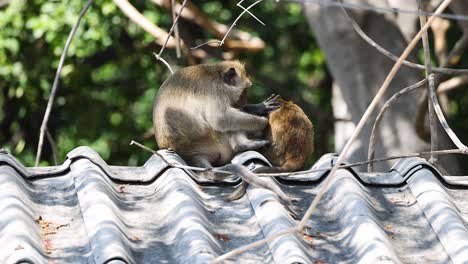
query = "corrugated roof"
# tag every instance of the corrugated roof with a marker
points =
(86, 211)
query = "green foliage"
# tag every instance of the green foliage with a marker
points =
(110, 76)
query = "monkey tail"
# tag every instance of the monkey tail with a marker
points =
(267, 169)
(250, 178)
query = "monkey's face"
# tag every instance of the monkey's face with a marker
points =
(237, 82)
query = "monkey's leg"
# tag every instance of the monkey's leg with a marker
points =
(239, 142)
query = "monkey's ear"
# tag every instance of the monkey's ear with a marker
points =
(229, 76)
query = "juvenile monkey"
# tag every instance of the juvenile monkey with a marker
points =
(196, 115)
(291, 136)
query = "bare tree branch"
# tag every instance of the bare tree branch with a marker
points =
(255, 244)
(221, 42)
(393, 57)
(443, 121)
(430, 83)
(174, 25)
(172, 29)
(161, 36)
(369, 111)
(56, 81)
(176, 29)
(238, 40)
(387, 105)
(360, 163)
(243, 8)
(452, 83)
(53, 146)
(163, 61)
(452, 59)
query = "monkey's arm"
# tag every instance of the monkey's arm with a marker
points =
(235, 120)
(264, 108)
(256, 109)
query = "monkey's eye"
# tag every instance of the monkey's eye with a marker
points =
(229, 76)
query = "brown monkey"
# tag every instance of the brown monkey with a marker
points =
(196, 115)
(291, 136)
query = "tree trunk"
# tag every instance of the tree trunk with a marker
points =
(359, 70)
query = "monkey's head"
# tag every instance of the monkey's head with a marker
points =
(236, 80)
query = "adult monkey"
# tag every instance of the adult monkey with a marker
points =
(196, 114)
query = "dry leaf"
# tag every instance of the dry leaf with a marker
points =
(19, 247)
(222, 237)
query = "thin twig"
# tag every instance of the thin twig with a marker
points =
(243, 40)
(443, 121)
(206, 43)
(369, 111)
(392, 56)
(305, 172)
(176, 29)
(56, 81)
(237, 19)
(255, 244)
(351, 140)
(369, 7)
(365, 162)
(221, 42)
(452, 83)
(430, 84)
(452, 59)
(250, 13)
(172, 28)
(53, 146)
(174, 25)
(163, 61)
(387, 105)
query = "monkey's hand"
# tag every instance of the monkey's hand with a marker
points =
(271, 103)
(264, 108)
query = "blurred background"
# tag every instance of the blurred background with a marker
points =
(306, 52)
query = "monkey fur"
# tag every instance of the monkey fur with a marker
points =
(196, 114)
(291, 136)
